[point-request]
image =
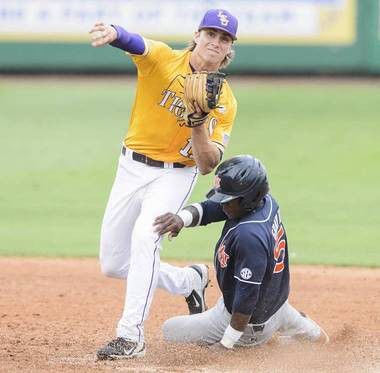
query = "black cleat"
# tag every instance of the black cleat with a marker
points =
(121, 348)
(196, 301)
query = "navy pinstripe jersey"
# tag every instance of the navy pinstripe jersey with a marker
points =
(251, 260)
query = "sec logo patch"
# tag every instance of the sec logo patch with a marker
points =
(246, 273)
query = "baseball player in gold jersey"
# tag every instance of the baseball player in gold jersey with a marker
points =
(158, 167)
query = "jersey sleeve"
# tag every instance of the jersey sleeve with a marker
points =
(212, 212)
(128, 41)
(249, 270)
(222, 120)
(155, 52)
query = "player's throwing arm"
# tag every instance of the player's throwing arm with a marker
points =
(102, 34)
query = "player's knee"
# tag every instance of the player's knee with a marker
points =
(111, 264)
(112, 268)
(175, 330)
(108, 271)
(168, 330)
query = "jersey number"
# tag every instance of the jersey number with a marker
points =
(279, 251)
(186, 150)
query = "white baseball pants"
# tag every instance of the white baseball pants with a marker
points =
(208, 327)
(129, 247)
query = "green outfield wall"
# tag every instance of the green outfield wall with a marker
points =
(362, 55)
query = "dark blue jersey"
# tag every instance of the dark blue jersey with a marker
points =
(251, 260)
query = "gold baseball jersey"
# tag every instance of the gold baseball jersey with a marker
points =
(157, 125)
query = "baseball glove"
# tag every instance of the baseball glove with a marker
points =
(202, 92)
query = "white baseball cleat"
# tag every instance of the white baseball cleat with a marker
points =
(317, 335)
(323, 338)
(196, 301)
(311, 332)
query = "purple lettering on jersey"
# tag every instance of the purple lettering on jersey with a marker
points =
(127, 41)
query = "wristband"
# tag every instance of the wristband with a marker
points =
(230, 337)
(186, 216)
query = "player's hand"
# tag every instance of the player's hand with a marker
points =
(102, 34)
(168, 223)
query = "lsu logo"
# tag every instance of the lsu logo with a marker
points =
(223, 18)
(223, 256)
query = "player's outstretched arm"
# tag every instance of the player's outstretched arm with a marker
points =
(102, 34)
(235, 330)
(118, 37)
(168, 223)
(173, 223)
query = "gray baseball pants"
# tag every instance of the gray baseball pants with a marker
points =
(208, 327)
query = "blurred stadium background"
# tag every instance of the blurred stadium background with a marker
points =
(275, 36)
(64, 108)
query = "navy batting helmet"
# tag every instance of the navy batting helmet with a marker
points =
(242, 177)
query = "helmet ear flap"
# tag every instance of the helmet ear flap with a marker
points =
(251, 202)
(247, 205)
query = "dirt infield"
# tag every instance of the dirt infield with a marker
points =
(54, 314)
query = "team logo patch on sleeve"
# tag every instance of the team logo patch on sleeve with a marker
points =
(245, 273)
(222, 256)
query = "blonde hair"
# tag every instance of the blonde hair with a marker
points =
(226, 61)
